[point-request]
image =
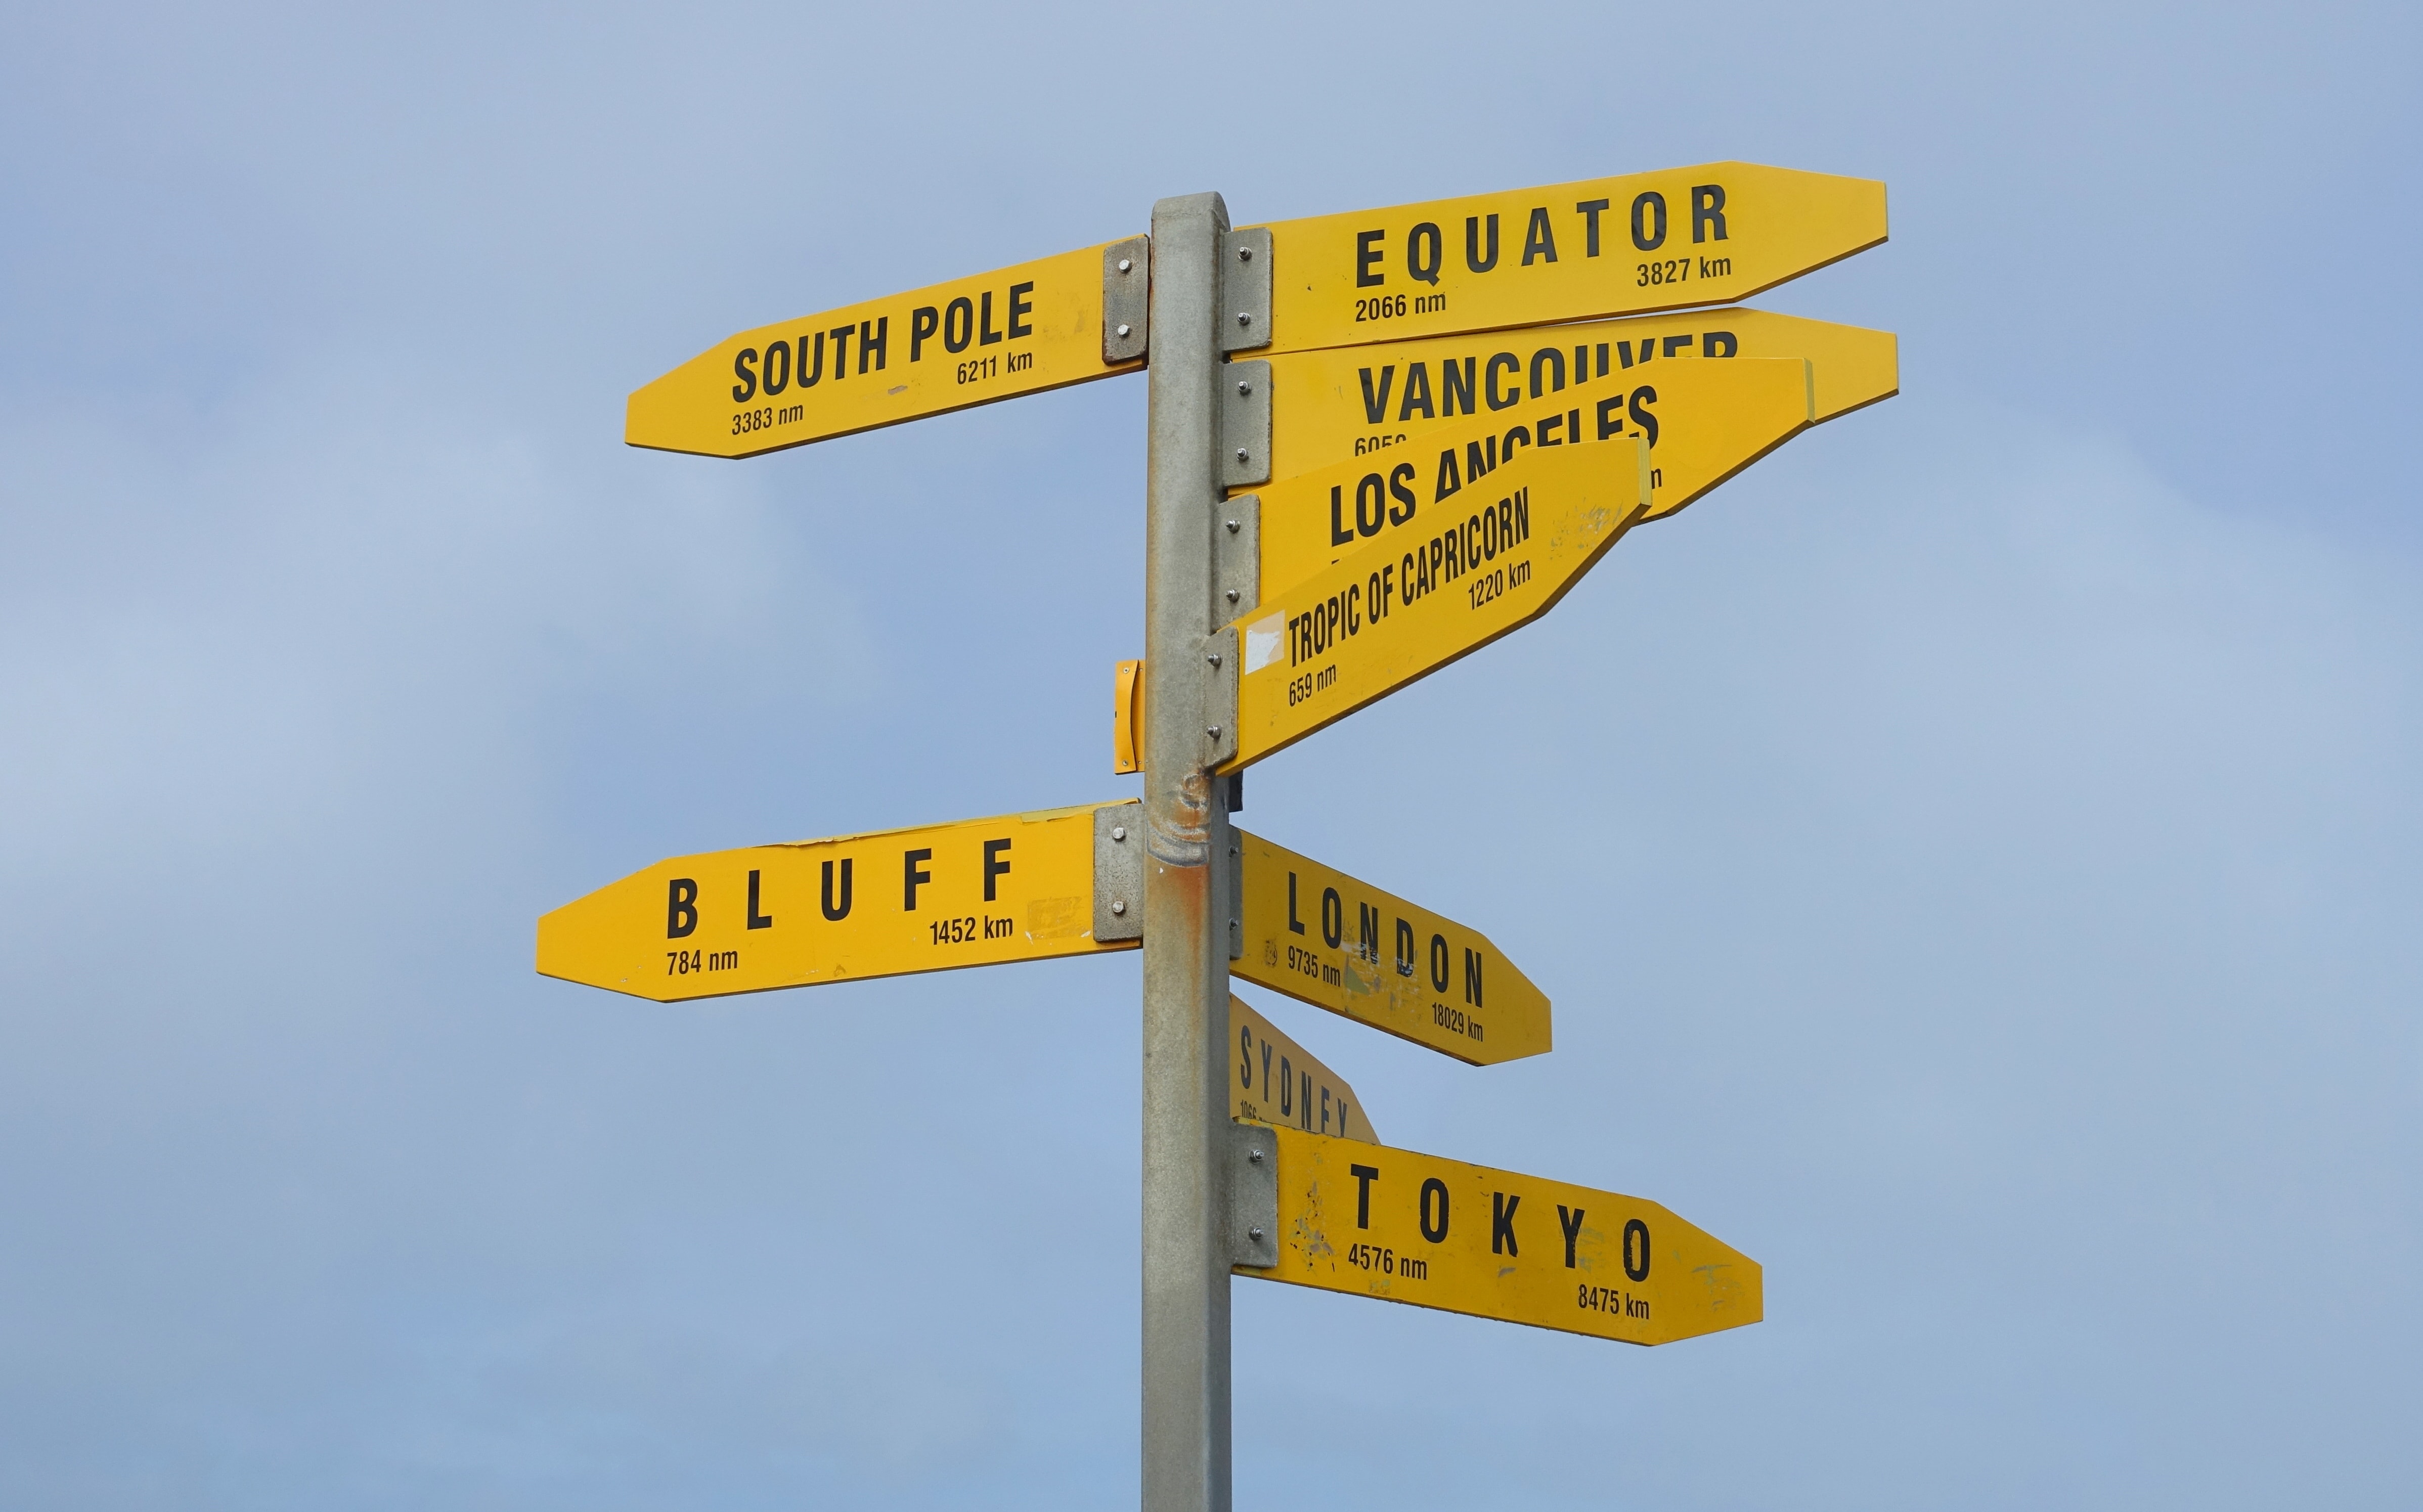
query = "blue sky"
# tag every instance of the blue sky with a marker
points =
(1973, 854)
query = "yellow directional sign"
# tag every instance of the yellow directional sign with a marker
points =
(1020, 330)
(1501, 556)
(1278, 1082)
(1323, 937)
(1464, 1239)
(1705, 235)
(1703, 422)
(1340, 404)
(1017, 887)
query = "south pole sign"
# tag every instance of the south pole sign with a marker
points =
(1377, 441)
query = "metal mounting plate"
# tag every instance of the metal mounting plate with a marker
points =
(1244, 290)
(1220, 697)
(1236, 559)
(1246, 424)
(1119, 871)
(1252, 1196)
(1126, 299)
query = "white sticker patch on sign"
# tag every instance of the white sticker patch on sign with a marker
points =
(1263, 639)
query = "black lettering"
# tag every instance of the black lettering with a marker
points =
(959, 325)
(1404, 930)
(1266, 1067)
(1296, 925)
(1472, 976)
(1590, 209)
(1245, 1048)
(772, 383)
(1434, 1230)
(1449, 480)
(841, 334)
(1716, 343)
(1367, 257)
(1286, 1088)
(1423, 266)
(1367, 931)
(1338, 534)
(1375, 406)
(985, 335)
(1678, 343)
(1643, 397)
(1572, 1223)
(837, 912)
(1508, 362)
(1611, 417)
(1501, 1223)
(809, 375)
(1332, 911)
(756, 919)
(1631, 1227)
(681, 909)
(1472, 257)
(1019, 307)
(1439, 963)
(1455, 389)
(873, 345)
(994, 867)
(1417, 393)
(746, 390)
(1364, 1176)
(1538, 240)
(1553, 360)
(1707, 211)
(1374, 492)
(923, 322)
(1400, 481)
(913, 876)
(1649, 222)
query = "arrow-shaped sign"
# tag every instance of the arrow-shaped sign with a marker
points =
(1275, 1081)
(1024, 887)
(1465, 1238)
(1641, 242)
(946, 347)
(1347, 403)
(1326, 938)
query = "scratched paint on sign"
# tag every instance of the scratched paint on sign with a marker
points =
(1403, 1227)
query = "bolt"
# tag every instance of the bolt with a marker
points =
(1257, 1232)
(1123, 330)
(1215, 658)
(1243, 318)
(1125, 264)
(1245, 254)
(1232, 528)
(1255, 1156)
(1213, 731)
(1245, 388)
(1118, 906)
(1241, 453)
(1232, 595)
(1118, 831)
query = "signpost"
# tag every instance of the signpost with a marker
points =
(1022, 887)
(1708, 235)
(951, 346)
(1359, 630)
(1702, 422)
(1464, 404)
(1464, 1239)
(1346, 403)
(1278, 1082)
(1325, 939)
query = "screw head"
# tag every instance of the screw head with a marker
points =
(1118, 831)
(1257, 1232)
(1243, 318)
(1213, 731)
(1125, 264)
(1232, 528)
(1118, 906)
(1241, 453)
(1232, 595)
(1255, 1156)
(1245, 388)
(1123, 330)
(1213, 658)
(1245, 254)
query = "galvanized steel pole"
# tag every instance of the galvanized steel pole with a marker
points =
(1187, 863)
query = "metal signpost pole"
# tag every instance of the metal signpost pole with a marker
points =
(1187, 869)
